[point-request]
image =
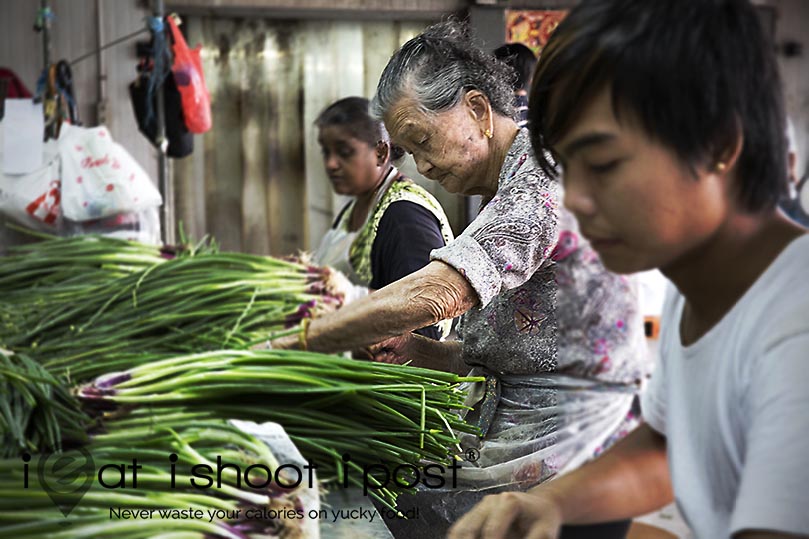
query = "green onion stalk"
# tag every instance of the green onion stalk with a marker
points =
(323, 443)
(30, 513)
(36, 278)
(330, 406)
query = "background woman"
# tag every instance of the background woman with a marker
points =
(391, 224)
(522, 61)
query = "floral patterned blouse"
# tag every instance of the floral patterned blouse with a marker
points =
(560, 337)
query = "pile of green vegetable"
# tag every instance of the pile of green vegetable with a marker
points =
(37, 411)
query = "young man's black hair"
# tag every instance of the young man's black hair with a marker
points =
(695, 73)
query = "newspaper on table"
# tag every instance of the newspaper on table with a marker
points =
(306, 497)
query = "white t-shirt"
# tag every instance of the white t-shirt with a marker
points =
(734, 407)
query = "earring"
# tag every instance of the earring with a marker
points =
(720, 167)
(487, 133)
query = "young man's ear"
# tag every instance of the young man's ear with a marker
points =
(382, 153)
(727, 157)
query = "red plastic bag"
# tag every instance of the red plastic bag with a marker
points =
(188, 76)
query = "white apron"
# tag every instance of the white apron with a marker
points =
(335, 246)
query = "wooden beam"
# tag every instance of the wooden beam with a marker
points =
(297, 8)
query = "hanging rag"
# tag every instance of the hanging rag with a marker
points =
(55, 90)
(154, 73)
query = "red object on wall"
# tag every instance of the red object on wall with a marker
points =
(15, 88)
(532, 28)
(46, 206)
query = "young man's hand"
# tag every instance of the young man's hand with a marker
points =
(511, 515)
(629, 479)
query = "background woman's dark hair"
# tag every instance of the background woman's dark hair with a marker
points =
(437, 67)
(696, 74)
(351, 113)
(522, 61)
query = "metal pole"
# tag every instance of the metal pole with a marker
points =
(101, 98)
(45, 9)
(165, 182)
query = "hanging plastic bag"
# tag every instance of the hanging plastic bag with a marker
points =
(188, 75)
(33, 200)
(99, 177)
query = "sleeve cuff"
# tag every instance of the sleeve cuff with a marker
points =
(470, 260)
(774, 512)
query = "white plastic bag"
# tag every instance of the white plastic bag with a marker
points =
(99, 177)
(33, 200)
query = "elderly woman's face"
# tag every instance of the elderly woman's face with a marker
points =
(448, 146)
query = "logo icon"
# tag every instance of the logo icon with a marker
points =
(66, 477)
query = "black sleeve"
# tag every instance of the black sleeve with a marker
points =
(407, 233)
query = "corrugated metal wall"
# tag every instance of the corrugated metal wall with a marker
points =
(256, 181)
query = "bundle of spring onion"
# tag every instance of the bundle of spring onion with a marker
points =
(206, 301)
(137, 317)
(37, 412)
(376, 413)
(147, 489)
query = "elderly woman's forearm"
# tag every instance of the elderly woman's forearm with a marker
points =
(425, 297)
(442, 356)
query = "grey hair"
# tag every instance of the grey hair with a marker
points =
(437, 67)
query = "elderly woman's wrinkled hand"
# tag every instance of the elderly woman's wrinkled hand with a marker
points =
(511, 515)
(394, 350)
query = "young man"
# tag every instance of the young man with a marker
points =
(667, 120)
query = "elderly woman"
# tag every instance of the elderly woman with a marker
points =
(558, 337)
